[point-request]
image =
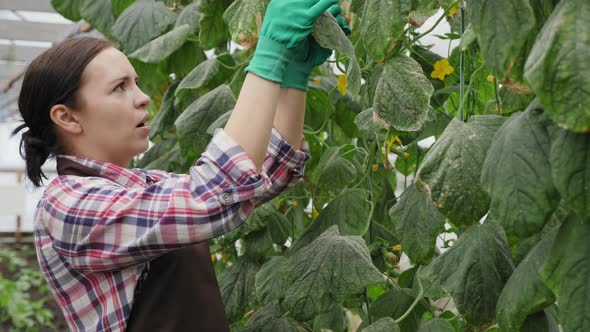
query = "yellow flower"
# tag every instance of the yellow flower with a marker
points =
(342, 84)
(375, 168)
(454, 9)
(490, 78)
(314, 214)
(442, 68)
(397, 247)
(213, 256)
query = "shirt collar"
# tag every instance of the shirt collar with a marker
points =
(120, 175)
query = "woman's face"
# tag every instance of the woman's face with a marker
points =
(112, 110)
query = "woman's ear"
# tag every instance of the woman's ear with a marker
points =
(65, 119)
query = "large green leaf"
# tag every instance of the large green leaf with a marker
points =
(190, 15)
(270, 283)
(436, 325)
(330, 269)
(212, 28)
(334, 171)
(328, 34)
(164, 119)
(237, 288)
(502, 28)
(474, 271)
(161, 47)
(451, 170)
(185, 59)
(349, 210)
(69, 9)
(517, 174)
(570, 166)
(385, 324)
(244, 18)
(525, 293)
(403, 94)
(141, 22)
(120, 5)
(567, 271)
(418, 223)
(208, 73)
(99, 14)
(556, 67)
(383, 24)
(191, 125)
(394, 303)
(271, 319)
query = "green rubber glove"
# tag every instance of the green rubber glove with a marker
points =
(310, 55)
(286, 25)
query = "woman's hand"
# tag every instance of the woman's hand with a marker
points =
(310, 55)
(286, 26)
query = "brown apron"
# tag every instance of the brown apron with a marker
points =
(180, 291)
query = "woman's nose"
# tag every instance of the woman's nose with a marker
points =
(142, 100)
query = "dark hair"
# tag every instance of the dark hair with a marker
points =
(52, 78)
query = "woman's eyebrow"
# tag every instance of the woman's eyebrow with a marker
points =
(124, 78)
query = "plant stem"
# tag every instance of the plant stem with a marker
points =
(367, 303)
(461, 70)
(418, 298)
(466, 94)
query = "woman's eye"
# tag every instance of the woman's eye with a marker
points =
(120, 87)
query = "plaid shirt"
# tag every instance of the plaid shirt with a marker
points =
(95, 235)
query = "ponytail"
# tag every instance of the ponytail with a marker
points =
(52, 78)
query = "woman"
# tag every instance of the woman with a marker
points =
(125, 249)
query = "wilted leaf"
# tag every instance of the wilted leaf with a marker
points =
(403, 94)
(328, 270)
(451, 169)
(474, 271)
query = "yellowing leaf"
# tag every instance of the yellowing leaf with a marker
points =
(442, 68)
(342, 84)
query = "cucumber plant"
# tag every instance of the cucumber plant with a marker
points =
(508, 174)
